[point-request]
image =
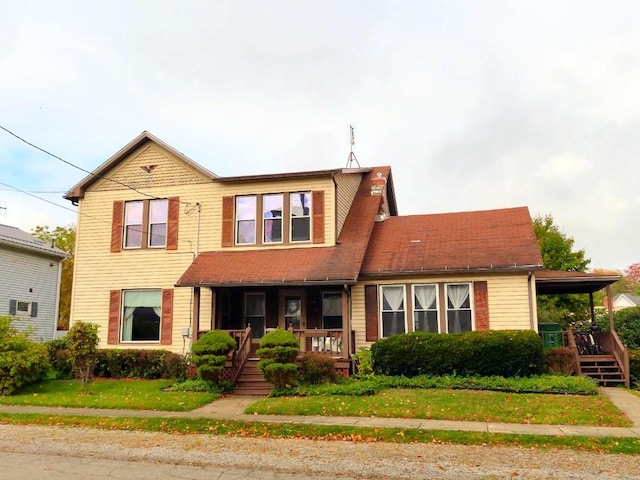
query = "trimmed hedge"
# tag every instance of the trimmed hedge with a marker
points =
(278, 351)
(506, 353)
(210, 353)
(129, 363)
(634, 367)
(560, 361)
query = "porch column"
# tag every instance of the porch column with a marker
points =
(195, 316)
(346, 325)
(593, 311)
(212, 315)
(610, 308)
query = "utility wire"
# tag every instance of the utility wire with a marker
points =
(53, 203)
(80, 168)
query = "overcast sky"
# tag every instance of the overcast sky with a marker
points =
(474, 104)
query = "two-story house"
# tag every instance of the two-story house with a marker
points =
(167, 249)
(30, 282)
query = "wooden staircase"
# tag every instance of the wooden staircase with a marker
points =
(251, 381)
(603, 368)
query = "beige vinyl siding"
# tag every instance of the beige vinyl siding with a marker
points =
(508, 300)
(165, 169)
(347, 185)
(290, 185)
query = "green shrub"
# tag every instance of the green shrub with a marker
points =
(132, 363)
(210, 353)
(199, 385)
(82, 342)
(362, 362)
(278, 351)
(634, 367)
(316, 368)
(560, 361)
(504, 353)
(627, 325)
(59, 357)
(22, 361)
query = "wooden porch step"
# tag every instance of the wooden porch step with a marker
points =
(251, 381)
(602, 368)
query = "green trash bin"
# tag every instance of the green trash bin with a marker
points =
(552, 335)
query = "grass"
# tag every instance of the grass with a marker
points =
(178, 426)
(114, 394)
(464, 405)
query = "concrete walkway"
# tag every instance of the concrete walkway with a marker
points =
(233, 407)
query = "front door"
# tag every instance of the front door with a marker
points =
(292, 310)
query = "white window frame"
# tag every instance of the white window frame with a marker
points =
(292, 195)
(23, 313)
(414, 308)
(157, 201)
(123, 312)
(240, 218)
(126, 225)
(265, 219)
(470, 308)
(383, 310)
(332, 293)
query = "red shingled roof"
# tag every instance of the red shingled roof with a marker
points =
(339, 264)
(491, 239)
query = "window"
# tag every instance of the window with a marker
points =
(145, 223)
(292, 311)
(332, 310)
(272, 206)
(246, 220)
(458, 307)
(22, 308)
(300, 204)
(425, 308)
(393, 312)
(254, 313)
(158, 211)
(133, 212)
(141, 314)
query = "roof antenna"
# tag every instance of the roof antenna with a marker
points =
(352, 156)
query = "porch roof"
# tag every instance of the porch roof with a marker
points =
(495, 240)
(339, 264)
(557, 282)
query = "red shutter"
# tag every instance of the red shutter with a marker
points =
(227, 221)
(317, 204)
(116, 226)
(173, 214)
(481, 305)
(114, 317)
(167, 317)
(371, 312)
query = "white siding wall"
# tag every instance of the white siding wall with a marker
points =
(29, 277)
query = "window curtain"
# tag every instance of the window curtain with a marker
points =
(457, 294)
(392, 298)
(332, 305)
(135, 299)
(425, 297)
(393, 303)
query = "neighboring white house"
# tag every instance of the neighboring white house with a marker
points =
(625, 300)
(30, 272)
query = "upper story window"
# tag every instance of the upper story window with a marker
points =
(246, 220)
(145, 223)
(300, 216)
(272, 212)
(273, 218)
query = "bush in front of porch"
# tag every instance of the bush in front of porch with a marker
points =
(210, 353)
(278, 351)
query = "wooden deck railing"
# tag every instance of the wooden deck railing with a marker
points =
(328, 341)
(572, 345)
(241, 353)
(621, 354)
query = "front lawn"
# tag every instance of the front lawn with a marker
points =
(464, 405)
(116, 394)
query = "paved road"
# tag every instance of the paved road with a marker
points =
(29, 466)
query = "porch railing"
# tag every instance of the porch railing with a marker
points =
(620, 353)
(321, 340)
(572, 345)
(241, 353)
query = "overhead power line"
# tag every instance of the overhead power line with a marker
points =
(79, 168)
